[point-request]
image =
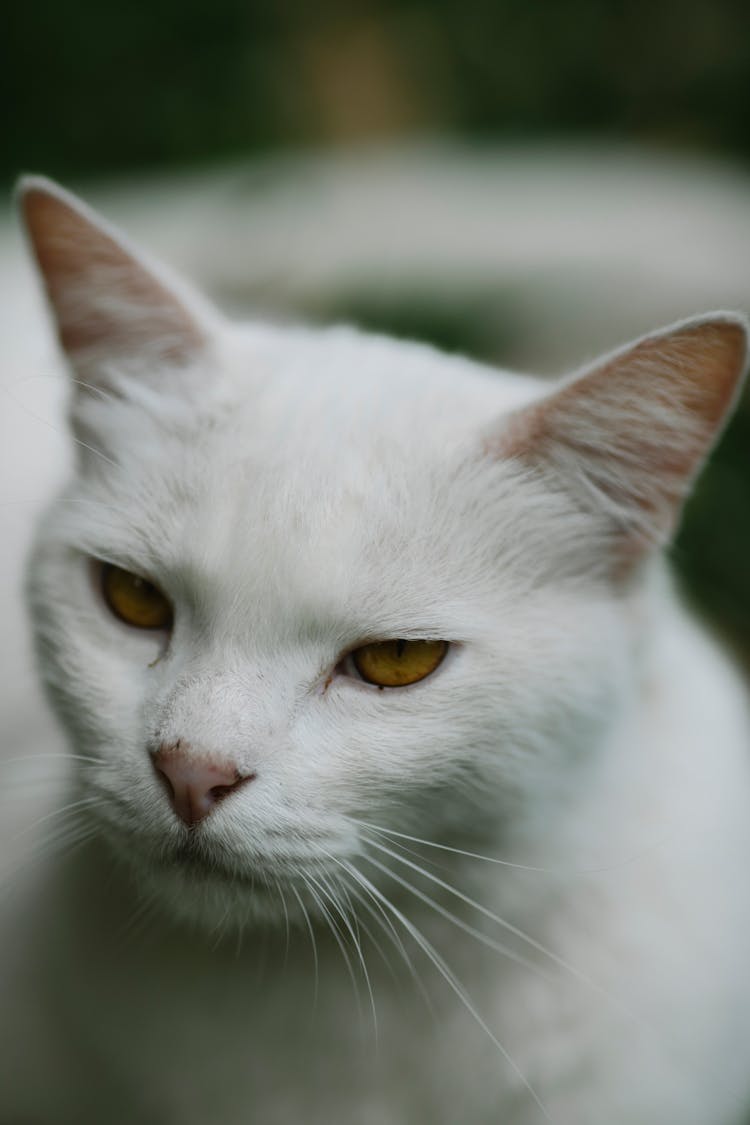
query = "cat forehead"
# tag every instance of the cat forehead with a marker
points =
(379, 387)
(325, 454)
(335, 401)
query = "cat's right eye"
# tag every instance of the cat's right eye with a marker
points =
(135, 600)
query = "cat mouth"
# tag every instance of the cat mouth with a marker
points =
(195, 857)
(191, 857)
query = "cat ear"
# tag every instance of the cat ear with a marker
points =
(627, 437)
(111, 308)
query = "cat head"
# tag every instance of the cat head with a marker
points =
(307, 582)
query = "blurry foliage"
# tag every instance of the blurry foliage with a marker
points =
(91, 88)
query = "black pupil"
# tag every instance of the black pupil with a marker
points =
(400, 646)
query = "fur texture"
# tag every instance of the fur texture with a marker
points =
(512, 892)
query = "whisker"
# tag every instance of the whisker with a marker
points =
(80, 804)
(352, 897)
(83, 501)
(497, 946)
(311, 884)
(515, 930)
(61, 841)
(282, 898)
(71, 437)
(220, 928)
(390, 931)
(91, 388)
(346, 919)
(642, 853)
(313, 943)
(454, 851)
(54, 378)
(57, 429)
(451, 980)
(61, 757)
(136, 923)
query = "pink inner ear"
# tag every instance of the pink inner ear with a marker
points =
(636, 428)
(102, 296)
(693, 372)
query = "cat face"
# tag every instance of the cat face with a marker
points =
(272, 531)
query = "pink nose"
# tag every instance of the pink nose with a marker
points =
(194, 782)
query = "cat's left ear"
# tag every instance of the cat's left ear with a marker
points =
(112, 309)
(626, 438)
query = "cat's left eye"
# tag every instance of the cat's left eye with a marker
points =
(398, 663)
(135, 600)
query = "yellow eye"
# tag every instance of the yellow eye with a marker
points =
(397, 663)
(134, 600)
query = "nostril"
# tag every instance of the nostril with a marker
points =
(219, 792)
(194, 782)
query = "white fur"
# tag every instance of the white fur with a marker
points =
(297, 493)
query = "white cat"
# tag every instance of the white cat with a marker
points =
(405, 790)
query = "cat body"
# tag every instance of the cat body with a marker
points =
(510, 890)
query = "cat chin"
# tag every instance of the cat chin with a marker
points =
(216, 904)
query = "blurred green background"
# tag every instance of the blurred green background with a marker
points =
(94, 90)
(92, 87)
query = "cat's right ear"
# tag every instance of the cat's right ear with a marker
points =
(114, 312)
